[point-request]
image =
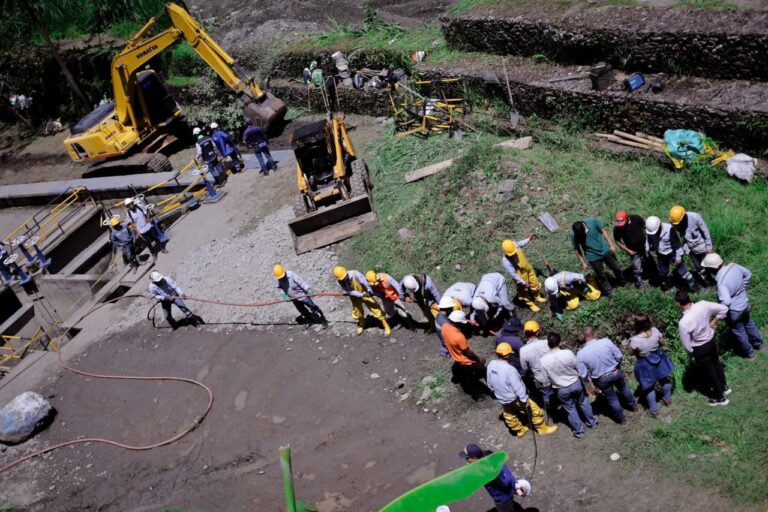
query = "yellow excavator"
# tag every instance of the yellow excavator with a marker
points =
(130, 133)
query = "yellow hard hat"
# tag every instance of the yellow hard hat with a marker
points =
(279, 271)
(504, 350)
(676, 214)
(531, 326)
(339, 272)
(509, 247)
(372, 277)
(114, 220)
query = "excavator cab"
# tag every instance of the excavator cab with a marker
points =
(160, 107)
(334, 200)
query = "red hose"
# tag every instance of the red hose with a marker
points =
(197, 421)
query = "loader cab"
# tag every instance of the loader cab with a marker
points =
(315, 153)
(160, 106)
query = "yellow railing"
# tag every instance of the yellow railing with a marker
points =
(14, 348)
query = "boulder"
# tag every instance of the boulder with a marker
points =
(22, 416)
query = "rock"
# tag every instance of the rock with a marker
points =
(524, 200)
(479, 175)
(404, 233)
(375, 375)
(506, 191)
(457, 267)
(692, 456)
(429, 379)
(403, 397)
(615, 456)
(425, 394)
(667, 420)
(22, 416)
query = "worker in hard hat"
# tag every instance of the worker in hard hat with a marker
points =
(595, 249)
(490, 303)
(391, 293)
(142, 217)
(445, 307)
(206, 152)
(665, 244)
(468, 368)
(530, 363)
(355, 285)
(522, 272)
(507, 385)
(123, 240)
(295, 290)
(165, 290)
(461, 293)
(511, 333)
(629, 234)
(694, 234)
(227, 147)
(566, 290)
(501, 489)
(732, 281)
(421, 289)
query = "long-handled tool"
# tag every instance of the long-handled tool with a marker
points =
(514, 115)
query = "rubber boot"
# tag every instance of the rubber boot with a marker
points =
(539, 298)
(521, 432)
(532, 306)
(387, 329)
(360, 327)
(544, 430)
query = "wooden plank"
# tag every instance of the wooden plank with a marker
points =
(634, 138)
(334, 233)
(649, 137)
(429, 170)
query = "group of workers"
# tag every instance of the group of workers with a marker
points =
(140, 225)
(217, 149)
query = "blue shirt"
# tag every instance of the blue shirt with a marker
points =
(732, 281)
(502, 488)
(599, 357)
(224, 142)
(254, 136)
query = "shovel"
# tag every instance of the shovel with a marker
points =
(514, 115)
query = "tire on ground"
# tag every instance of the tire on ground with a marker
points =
(358, 180)
(299, 206)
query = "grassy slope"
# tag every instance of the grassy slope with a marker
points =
(454, 219)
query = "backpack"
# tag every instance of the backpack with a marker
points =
(208, 149)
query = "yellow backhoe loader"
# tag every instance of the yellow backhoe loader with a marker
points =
(131, 131)
(334, 200)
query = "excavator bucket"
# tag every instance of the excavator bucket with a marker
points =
(333, 223)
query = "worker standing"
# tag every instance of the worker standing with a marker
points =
(141, 217)
(256, 139)
(355, 285)
(530, 362)
(653, 365)
(694, 234)
(522, 272)
(386, 288)
(697, 334)
(507, 385)
(565, 373)
(444, 308)
(602, 359)
(227, 147)
(490, 303)
(468, 368)
(732, 281)
(421, 289)
(629, 234)
(566, 290)
(594, 248)
(123, 240)
(295, 290)
(664, 242)
(167, 292)
(205, 149)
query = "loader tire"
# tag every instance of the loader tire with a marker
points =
(359, 180)
(300, 206)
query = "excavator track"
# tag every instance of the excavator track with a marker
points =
(139, 163)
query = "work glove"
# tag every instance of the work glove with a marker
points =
(286, 298)
(559, 316)
(355, 294)
(310, 293)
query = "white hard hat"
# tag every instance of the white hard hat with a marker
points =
(214, 125)
(458, 317)
(479, 304)
(523, 487)
(196, 130)
(410, 283)
(443, 508)
(550, 284)
(652, 225)
(712, 260)
(128, 200)
(155, 276)
(446, 302)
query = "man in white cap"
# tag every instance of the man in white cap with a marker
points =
(490, 304)
(205, 150)
(421, 289)
(226, 147)
(141, 217)
(665, 244)
(468, 368)
(565, 291)
(165, 290)
(732, 280)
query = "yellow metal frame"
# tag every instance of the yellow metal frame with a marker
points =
(423, 123)
(10, 353)
(342, 146)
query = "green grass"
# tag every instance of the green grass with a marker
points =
(708, 4)
(454, 219)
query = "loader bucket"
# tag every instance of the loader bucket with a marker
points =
(332, 223)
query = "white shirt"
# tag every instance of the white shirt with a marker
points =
(562, 367)
(530, 360)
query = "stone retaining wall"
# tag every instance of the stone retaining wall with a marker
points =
(707, 53)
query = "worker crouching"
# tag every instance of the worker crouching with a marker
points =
(505, 382)
(490, 304)
(356, 287)
(386, 288)
(566, 290)
(421, 289)
(295, 290)
(167, 292)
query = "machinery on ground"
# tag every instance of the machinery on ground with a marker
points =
(334, 200)
(131, 132)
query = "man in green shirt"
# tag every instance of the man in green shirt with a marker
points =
(594, 248)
